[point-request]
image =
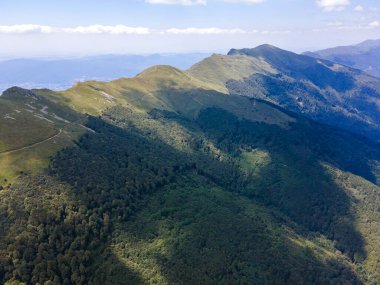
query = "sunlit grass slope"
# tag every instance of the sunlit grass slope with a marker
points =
(32, 129)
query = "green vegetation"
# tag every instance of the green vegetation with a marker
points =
(32, 129)
(171, 182)
(321, 90)
(219, 69)
(204, 235)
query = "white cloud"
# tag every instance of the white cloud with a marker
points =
(24, 29)
(335, 24)
(113, 30)
(359, 8)
(220, 31)
(91, 29)
(178, 2)
(127, 30)
(199, 2)
(374, 24)
(333, 5)
(275, 32)
(245, 1)
(208, 31)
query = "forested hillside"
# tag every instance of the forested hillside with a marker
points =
(165, 180)
(322, 90)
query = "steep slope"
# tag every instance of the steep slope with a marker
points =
(364, 56)
(173, 182)
(324, 91)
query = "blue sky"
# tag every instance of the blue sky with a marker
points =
(86, 27)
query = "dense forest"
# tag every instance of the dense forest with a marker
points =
(159, 198)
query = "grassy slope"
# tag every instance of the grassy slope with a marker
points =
(219, 69)
(31, 131)
(165, 88)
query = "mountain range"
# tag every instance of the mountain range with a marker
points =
(364, 56)
(257, 167)
(60, 74)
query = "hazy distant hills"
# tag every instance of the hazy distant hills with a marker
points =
(319, 89)
(364, 56)
(222, 174)
(59, 74)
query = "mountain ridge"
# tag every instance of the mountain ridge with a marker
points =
(363, 56)
(323, 90)
(164, 179)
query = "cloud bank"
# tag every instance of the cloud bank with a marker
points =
(206, 31)
(333, 5)
(22, 29)
(198, 2)
(178, 2)
(113, 30)
(126, 30)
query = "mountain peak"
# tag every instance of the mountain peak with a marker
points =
(369, 43)
(159, 71)
(265, 48)
(18, 93)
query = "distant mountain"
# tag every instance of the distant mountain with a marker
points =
(60, 74)
(364, 56)
(322, 90)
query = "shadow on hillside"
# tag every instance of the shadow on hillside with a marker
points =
(214, 238)
(209, 236)
(294, 182)
(110, 270)
(321, 106)
(110, 171)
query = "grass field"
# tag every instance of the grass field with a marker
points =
(31, 131)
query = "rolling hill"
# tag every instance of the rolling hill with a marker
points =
(166, 178)
(364, 56)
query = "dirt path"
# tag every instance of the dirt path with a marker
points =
(48, 139)
(32, 145)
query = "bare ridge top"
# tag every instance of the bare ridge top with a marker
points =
(159, 71)
(255, 51)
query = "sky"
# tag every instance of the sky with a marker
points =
(51, 28)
